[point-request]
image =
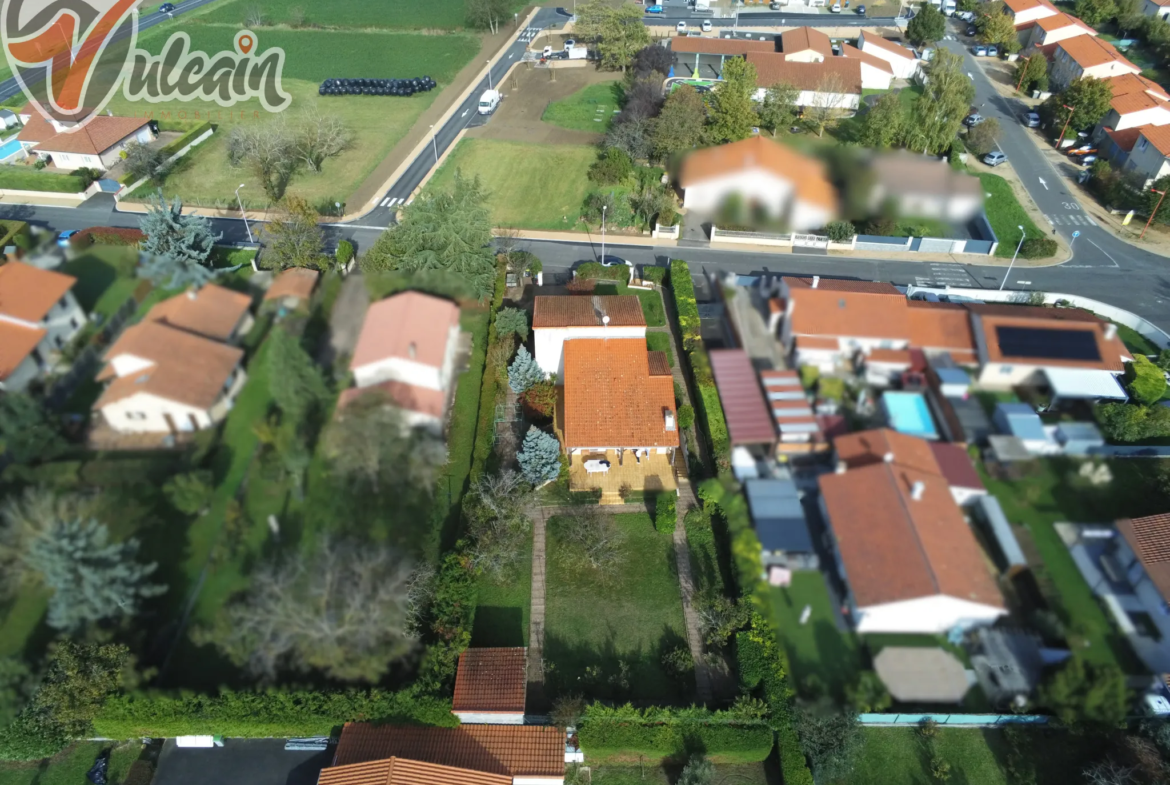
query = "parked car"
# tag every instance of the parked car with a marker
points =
(973, 120)
(1084, 160)
(654, 9)
(861, 10)
(774, 6)
(166, 8)
(1083, 149)
(835, 8)
(612, 261)
(63, 238)
(681, 27)
(994, 158)
(992, 51)
(1030, 120)
(706, 25)
(981, 51)
(966, 16)
(972, 30)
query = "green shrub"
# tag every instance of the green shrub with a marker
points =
(665, 516)
(840, 231)
(485, 430)
(686, 416)
(710, 409)
(612, 166)
(793, 765)
(831, 388)
(10, 231)
(596, 272)
(654, 275)
(809, 375)
(1038, 248)
(670, 734)
(684, 301)
(185, 139)
(667, 217)
(1128, 422)
(1146, 382)
(58, 474)
(344, 252)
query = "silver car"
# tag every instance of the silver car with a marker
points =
(994, 158)
(1030, 120)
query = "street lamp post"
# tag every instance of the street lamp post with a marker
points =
(338, 206)
(435, 143)
(1161, 196)
(247, 228)
(489, 62)
(1013, 261)
(1070, 109)
(603, 207)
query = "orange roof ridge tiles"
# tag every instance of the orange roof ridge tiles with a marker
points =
(774, 68)
(1088, 51)
(1019, 6)
(28, 293)
(211, 311)
(98, 135)
(611, 400)
(294, 282)
(866, 57)
(802, 39)
(808, 175)
(719, 46)
(510, 750)
(623, 310)
(889, 46)
(491, 681)
(408, 326)
(402, 771)
(1158, 136)
(16, 343)
(864, 448)
(1149, 538)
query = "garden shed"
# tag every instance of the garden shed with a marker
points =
(1020, 420)
(779, 520)
(1079, 438)
(990, 514)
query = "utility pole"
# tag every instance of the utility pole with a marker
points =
(1023, 70)
(1070, 109)
(1013, 261)
(1161, 196)
(603, 208)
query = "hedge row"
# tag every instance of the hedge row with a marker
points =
(710, 408)
(107, 235)
(654, 274)
(594, 271)
(622, 733)
(26, 178)
(99, 473)
(485, 434)
(264, 714)
(186, 139)
(9, 230)
(685, 303)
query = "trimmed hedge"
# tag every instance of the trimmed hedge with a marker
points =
(624, 733)
(655, 275)
(710, 409)
(264, 714)
(25, 178)
(485, 432)
(185, 139)
(107, 235)
(684, 302)
(594, 271)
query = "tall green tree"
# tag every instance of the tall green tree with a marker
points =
(623, 34)
(778, 109)
(177, 246)
(927, 27)
(732, 112)
(831, 742)
(946, 98)
(1032, 73)
(1089, 99)
(91, 578)
(1095, 13)
(449, 231)
(679, 127)
(1081, 692)
(27, 433)
(883, 125)
(294, 380)
(189, 493)
(292, 237)
(512, 321)
(1000, 30)
(25, 518)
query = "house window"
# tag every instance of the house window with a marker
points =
(1142, 144)
(73, 322)
(62, 302)
(1005, 369)
(57, 340)
(135, 415)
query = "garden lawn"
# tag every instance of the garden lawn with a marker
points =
(105, 277)
(1047, 496)
(591, 108)
(532, 186)
(818, 651)
(26, 178)
(502, 609)
(652, 309)
(1005, 213)
(204, 177)
(660, 342)
(737, 774)
(390, 14)
(897, 756)
(70, 766)
(1135, 341)
(595, 626)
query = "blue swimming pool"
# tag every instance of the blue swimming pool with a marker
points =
(909, 413)
(9, 148)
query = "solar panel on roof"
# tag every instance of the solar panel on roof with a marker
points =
(1048, 344)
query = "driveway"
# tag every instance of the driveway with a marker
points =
(250, 761)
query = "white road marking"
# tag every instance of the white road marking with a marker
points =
(385, 202)
(511, 55)
(465, 111)
(1048, 219)
(1041, 179)
(1102, 250)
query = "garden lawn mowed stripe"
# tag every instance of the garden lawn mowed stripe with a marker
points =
(66, 768)
(632, 617)
(105, 277)
(818, 648)
(401, 14)
(502, 609)
(897, 756)
(1005, 213)
(26, 178)
(589, 109)
(532, 186)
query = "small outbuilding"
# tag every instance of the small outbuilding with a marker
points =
(959, 472)
(292, 288)
(1079, 438)
(491, 686)
(1020, 420)
(921, 675)
(780, 523)
(8, 118)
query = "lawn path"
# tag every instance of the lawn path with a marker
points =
(536, 695)
(686, 585)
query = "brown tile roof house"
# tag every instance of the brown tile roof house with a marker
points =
(432, 403)
(410, 326)
(808, 175)
(942, 327)
(1059, 21)
(94, 138)
(837, 311)
(27, 294)
(955, 465)
(401, 771)
(16, 343)
(884, 445)
(719, 46)
(1158, 136)
(623, 311)
(611, 398)
(491, 681)
(773, 69)
(889, 46)
(1149, 538)
(866, 57)
(805, 39)
(295, 283)
(211, 311)
(992, 320)
(508, 750)
(1088, 51)
(841, 285)
(748, 419)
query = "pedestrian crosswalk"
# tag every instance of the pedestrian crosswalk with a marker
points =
(391, 203)
(528, 34)
(946, 274)
(1070, 220)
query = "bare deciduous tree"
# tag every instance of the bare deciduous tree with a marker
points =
(420, 589)
(266, 150)
(318, 136)
(498, 522)
(254, 16)
(594, 539)
(828, 102)
(343, 610)
(144, 161)
(487, 14)
(1109, 772)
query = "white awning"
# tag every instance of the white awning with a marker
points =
(1082, 383)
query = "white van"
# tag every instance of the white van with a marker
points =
(489, 101)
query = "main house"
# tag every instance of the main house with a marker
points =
(38, 317)
(907, 555)
(96, 145)
(1087, 55)
(559, 319)
(1050, 30)
(406, 351)
(763, 175)
(904, 63)
(178, 370)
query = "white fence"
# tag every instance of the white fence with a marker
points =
(665, 232)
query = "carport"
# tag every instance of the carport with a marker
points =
(1082, 384)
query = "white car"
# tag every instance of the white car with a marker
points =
(682, 27)
(706, 25)
(835, 8)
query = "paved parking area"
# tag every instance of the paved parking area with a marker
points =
(240, 762)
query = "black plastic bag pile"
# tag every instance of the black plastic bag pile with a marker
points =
(400, 87)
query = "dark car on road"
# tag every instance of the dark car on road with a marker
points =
(166, 8)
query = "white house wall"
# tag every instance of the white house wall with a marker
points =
(904, 67)
(755, 186)
(398, 369)
(805, 216)
(841, 101)
(927, 616)
(489, 718)
(21, 376)
(1146, 160)
(550, 343)
(1155, 115)
(874, 78)
(64, 320)
(538, 780)
(154, 411)
(1153, 9)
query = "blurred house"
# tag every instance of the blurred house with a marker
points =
(39, 316)
(96, 145)
(1048, 31)
(876, 73)
(1138, 105)
(1156, 8)
(834, 83)
(1147, 152)
(925, 187)
(1086, 55)
(766, 176)
(1026, 13)
(904, 62)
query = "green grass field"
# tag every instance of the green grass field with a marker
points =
(70, 766)
(391, 14)
(660, 342)
(502, 608)
(652, 309)
(1005, 213)
(725, 774)
(105, 277)
(591, 108)
(532, 186)
(593, 627)
(817, 650)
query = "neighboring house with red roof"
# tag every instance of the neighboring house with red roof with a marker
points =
(1138, 558)
(908, 557)
(96, 144)
(1149, 155)
(406, 351)
(1086, 55)
(876, 73)
(491, 686)
(811, 78)
(39, 316)
(903, 61)
(1136, 102)
(787, 185)
(924, 187)
(559, 319)
(1048, 31)
(1026, 13)
(292, 288)
(177, 370)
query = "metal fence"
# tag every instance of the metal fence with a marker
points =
(969, 720)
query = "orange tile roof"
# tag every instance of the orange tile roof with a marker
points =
(1136, 102)
(579, 311)
(991, 316)
(865, 448)
(212, 311)
(818, 344)
(1059, 21)
(424, 400)
(773, 69)
(719, 46)
(1088, 52)
(400, 771)
(408, 326)
(894, 356)
(1019, 6)
(873, 39)
(940, 326)
(842, 285)
(510, 750)
(94, 138)
(659, 364)
(295, 282)
(898, 548)
(1125, 140)
(187, 368)
(491, 680)
(867, 58)
(28, 293)
(37, 129)
(611, 400)
(1134, 93)
(1149, 537)
(803, 39)
(16, 343)
(825, 312)
(808, 174)
(1158, 136)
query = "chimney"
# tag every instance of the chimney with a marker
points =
(412, 350)
(917, 490)
(888, 457)
(1110, 331)
(669, 417)
(816, 281)
(842, 467)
